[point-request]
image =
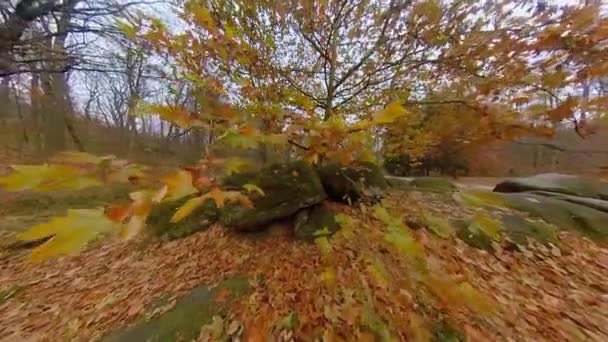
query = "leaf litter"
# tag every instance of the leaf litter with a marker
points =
(380, 281)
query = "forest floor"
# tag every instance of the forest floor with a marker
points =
(376, 279)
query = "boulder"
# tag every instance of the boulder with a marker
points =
(287, 188)
(313, 222)
(351, 183)
(563, 214)
(557, 183)
(159, 220)
(597, 204)
(433, 183)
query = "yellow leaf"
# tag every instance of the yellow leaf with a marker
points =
(187, 208)
(234, 165)
(487, 225)
(254, 188)
(132, 228)
(221, 197)
(179, 185)
(71, 233)
(328, 276)
(323, 244)
(389, 114)
(47, 178)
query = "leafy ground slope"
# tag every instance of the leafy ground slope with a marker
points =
(377, 279)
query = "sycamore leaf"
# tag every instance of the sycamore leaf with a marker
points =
(187, 208)
(254, 188)
(47, 178)
(221, 197)
(179, 185)
(389, 114)
(237, 140)
(141, 206)
(235, 165)
(70, 233)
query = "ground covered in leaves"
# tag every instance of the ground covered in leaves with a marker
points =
(381, 277)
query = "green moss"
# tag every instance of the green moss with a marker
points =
(185, 320)
(314, 222)
(159, 221)
(350, 183)
(473, 237)
(564, 215)
(519, 229)
(287, 189)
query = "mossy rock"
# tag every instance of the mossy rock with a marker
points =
(520, 230)
(564, 215)
(159, 220)
(313, 222)
(186, 319)
(351, 183)
(558, 183)
(433, 184)
(287, 188)
(473, 238)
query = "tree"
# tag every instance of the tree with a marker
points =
(339, 80)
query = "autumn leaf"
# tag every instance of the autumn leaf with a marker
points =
(180, 184)
(69, 234)
(187, 208)
(237, 140)
(389, 114)
(221, 197)
(484, 223)
(253, 188)
(564, 111)
(47, 178)
(133, 227)
(235, 165)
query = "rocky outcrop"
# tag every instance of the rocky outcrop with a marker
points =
(314, 222)
(287, 188)
(349, 184)
(557, 183)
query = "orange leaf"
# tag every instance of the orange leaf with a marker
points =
(221, 197)
(563, 111)
(118, 213)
